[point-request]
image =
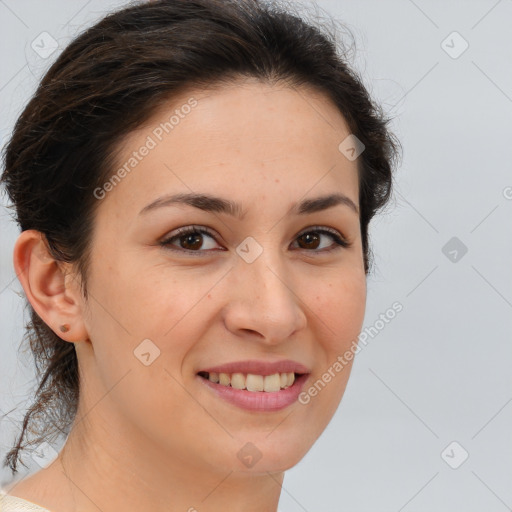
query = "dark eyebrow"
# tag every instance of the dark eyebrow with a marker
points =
(210, 203)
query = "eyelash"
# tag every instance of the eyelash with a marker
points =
(339, 241)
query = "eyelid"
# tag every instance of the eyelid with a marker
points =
(320, 229)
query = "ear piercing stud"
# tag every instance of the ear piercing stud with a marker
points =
(64, 328)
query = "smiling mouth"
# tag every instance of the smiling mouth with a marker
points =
(252, 382)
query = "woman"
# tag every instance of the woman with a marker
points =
(194, 182)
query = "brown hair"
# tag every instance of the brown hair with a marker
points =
(109, 81)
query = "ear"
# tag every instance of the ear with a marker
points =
(50, 287)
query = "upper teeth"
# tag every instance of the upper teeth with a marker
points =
(253, 382)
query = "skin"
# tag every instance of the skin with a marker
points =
(154, 437)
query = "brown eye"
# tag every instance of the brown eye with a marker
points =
(189, 239)
(311, 239)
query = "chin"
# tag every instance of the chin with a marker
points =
(264, 452)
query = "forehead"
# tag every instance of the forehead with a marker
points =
(244, 139)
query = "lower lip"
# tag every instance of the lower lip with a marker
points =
(258, 400)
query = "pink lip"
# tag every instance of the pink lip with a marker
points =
(259, 367)
(258, 400)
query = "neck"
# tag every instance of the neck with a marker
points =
(106, 470)
(110, 476)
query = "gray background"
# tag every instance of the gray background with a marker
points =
(439, 372)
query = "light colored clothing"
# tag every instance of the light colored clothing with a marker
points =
(15, 504)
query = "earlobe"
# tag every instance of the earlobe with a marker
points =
(54, 298)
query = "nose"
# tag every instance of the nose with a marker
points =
(263, 303)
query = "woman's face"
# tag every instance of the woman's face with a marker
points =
(268, 286)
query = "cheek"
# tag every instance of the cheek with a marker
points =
(339, 308)
(136, 301)
(136, 304)
(338, 312)
(139, 342)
